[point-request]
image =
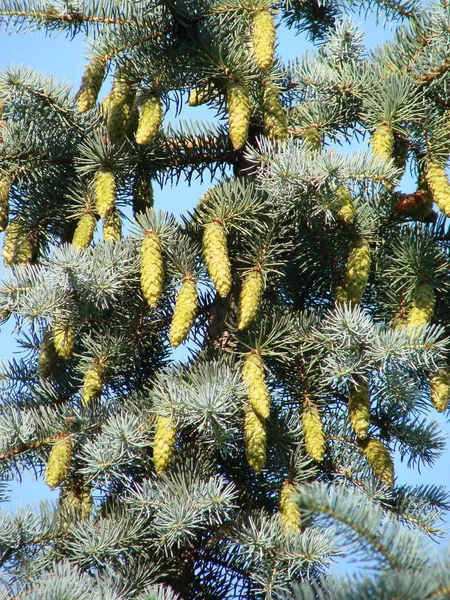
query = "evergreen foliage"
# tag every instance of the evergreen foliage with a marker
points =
(311, 293)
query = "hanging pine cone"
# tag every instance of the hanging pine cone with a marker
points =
(275, 122)
(17, 247)
(112, 228)
(440, 389)
(358, 271)
(47, 356)
(359, 410)
(91, 83)
(380, 461)
(150, 120)
(143, 196)
(345, 206)
(4, 203)
(422, 306)
(185, 312)
(215, 254)
(164, 444)
(202, 95)
(105, 191)
(92, 384)
(439, 186)
(119, 109)
(312, 138)
(289, 511)
(313, 432)
(63, 338)
(84, 232)
(152, 270)
(382, 141)
(250, 298)
(255, 440)
(239, 112)
(263, 38)
(59, 462)
(255, 384)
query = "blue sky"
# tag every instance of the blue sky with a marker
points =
(65, 59)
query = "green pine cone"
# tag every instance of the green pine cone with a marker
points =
(164, 444)
(76, 498)
(202, 95)
(84, 232)
(359, 410)
(17, 248)
(215, 255)
(250, 299)
(263, 37)
(256, 386)
(422, 306)
(358, 270)
(150, 120)
(345, 206)
(440, 389)
(119, 110)
(439, 186)
(91, 83)
(289, 512)
(255, 440)
(105, 192)
(239, 112)
(63, 338)
(112, 228)
(185, 312)
(143, 196)
(47, 356)
(273, 113)
(380, 461)
(4, 203)
(312, 138)
(313, 432)
(92, 384)
(382, 141)
(59, 462)
(152, 268)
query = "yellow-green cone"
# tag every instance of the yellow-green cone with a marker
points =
(17, 248)
(239, 112)
(150, 120)
(380, 461)
(105, 192)
(255, 440)
(255, 384)
(215, 254)
(263, 37)
(47, 356)
(289, 512)
(249, 301)
(143, 196)
(345, 206)
(313, 432)
(439, 186)
(92, 384)
(422, 306)
(152, 269)
(112, 227)
(164, 445)
(440, 389)
(359, 410)
(59, 462)
(201, 95)
(382, 141)
(104, 106)
(119, 110)
(63, 338)
(275, 122)
(358, 271)
(76, 499)
(91, 83)
(4, 203)
(184, 314)
(312, 138)
(84, 232)
(340, 294)
(133, 120)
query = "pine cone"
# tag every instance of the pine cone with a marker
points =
(105, 192)
(255, 440)
(143, 197)
(289, 512)
(239, 112)
(63, 338)
(150, 120)
(4, 203)
(382, 141)
(255, 384)
(152, 272)
(439, 186)
(273, 113)
(313, 432)
(91, 83)
(112, 227)
(379, 460)
(250, 299)
(215, 254)
(92, 384)
(359, 410)
(358, 271)
(440, 389)
(119, 110)
(264, 35)
(164, 444)
(422, 306)
(185, 312)
(59, 462)
(84, 232)
(47, 356)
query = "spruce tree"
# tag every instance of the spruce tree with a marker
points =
(310, 293)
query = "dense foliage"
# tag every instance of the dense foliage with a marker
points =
(311, 295)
